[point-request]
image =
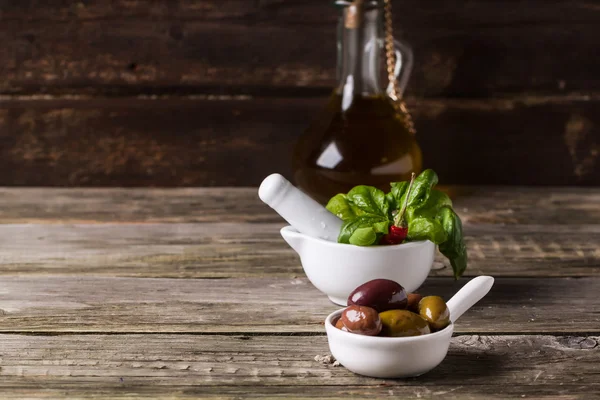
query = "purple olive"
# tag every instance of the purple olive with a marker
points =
(380, 294)
(413, 302)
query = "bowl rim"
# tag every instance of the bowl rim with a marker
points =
(382, 339)
(290, 230)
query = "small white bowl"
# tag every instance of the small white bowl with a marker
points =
(337, 269)
(387, 357)
(401, 357)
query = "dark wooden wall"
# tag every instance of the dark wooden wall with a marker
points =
(215, 92)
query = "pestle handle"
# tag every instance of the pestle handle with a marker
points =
(298, 209)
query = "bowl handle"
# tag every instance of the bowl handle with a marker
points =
(468, 295)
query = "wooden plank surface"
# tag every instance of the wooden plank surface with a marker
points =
(227, 367)
(71, 327)
(269, 305)
(144, 205)
(224, 250)
(484, 91)
(463, 49)
(476, 205)
(119, 391)
(212, 141)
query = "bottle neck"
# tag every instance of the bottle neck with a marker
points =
(359, 53)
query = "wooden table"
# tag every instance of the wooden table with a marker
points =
(192, 293)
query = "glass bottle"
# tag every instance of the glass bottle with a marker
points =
(362, 137)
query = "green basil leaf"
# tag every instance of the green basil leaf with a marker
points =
(367, 213)
(396, 195)
(438, 199)
(391, 200)
(382, 227)
(430, 209)
(363, 237)
(369, 200)
(340, 206)
(372, 222)
(419, 194)
(454, 247)
(422, 187)
(426, 229)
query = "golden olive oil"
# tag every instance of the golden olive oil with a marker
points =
(363, 142)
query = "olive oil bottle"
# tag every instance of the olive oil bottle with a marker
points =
(364, 136)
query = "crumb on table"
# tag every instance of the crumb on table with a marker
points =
(327, 359)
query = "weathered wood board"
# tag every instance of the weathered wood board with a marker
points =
(461, 49)
(476, 205)
(89, 306)
(214, 93)
(228, 367)
(233, 141)
(224, 250)
(269, 305)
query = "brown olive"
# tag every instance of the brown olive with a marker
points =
(340, 325)
(361, 320)
(398, 323)
(434, 310)
(380, 294)
(413, 302)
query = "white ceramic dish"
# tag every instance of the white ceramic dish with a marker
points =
(337, 269)
(400, 357)
(387, 357)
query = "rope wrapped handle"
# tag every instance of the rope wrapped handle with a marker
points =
(394, 92)
(390, 56)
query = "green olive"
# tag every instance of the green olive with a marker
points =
(402, 323)
(433, 309)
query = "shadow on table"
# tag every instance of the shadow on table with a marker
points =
(518, 291)
(465, 367)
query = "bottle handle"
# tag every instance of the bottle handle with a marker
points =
(402, 68)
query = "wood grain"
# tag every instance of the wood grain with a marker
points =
(224, 250)
(227, 367)
(55, 304)
(119, 391)
(463, 49)
(309, 11)
(476, 205)
(191, 293)
(146, 205)
(238, 141)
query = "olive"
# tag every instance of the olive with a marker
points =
(413, 302)
(340, 325)
(380, 294)
(403, 323)
(434, 310)
(361, 320)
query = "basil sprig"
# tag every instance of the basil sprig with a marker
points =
(368, 213)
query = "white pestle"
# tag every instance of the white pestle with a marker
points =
(468, 295)
(298, 209)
